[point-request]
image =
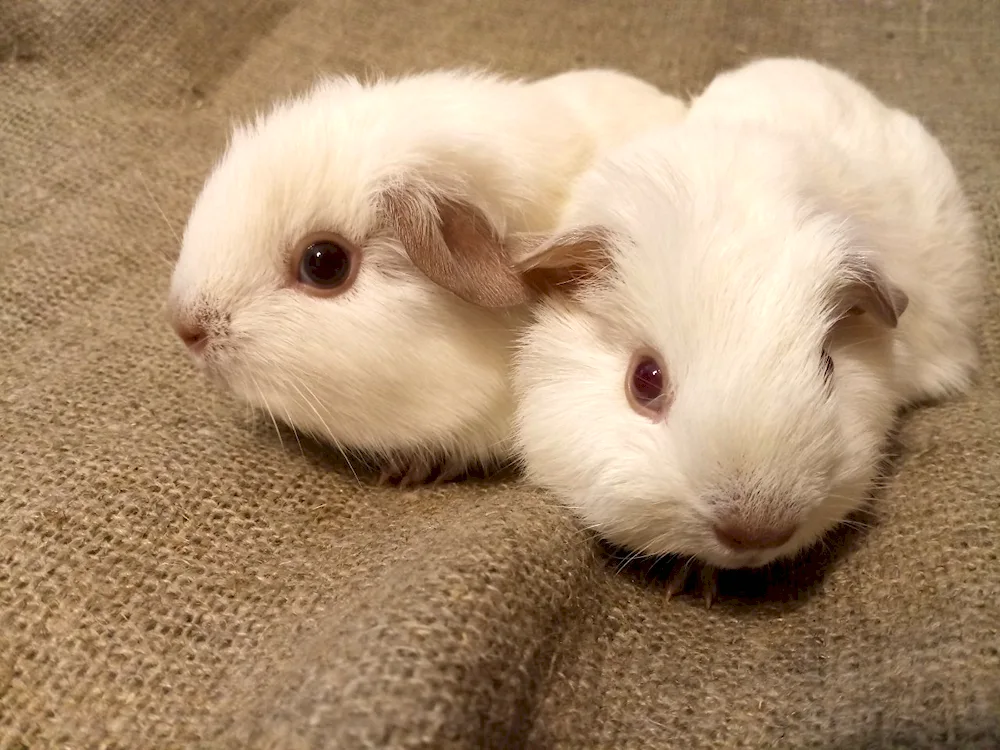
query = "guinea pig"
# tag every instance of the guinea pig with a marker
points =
(345, 266)
(737, 306)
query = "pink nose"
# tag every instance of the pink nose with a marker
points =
(192, 334)
(742, 535)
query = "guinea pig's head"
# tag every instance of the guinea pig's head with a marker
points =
(338, 271)
(711, 373)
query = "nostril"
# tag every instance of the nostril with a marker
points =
(744, 536)
(193, 335)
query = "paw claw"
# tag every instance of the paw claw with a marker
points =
(448, 471)
(389, 473)
(709, 585)
(677, 579)
(418, 470)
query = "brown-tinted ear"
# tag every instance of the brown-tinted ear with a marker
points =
(864, 288)
(564, 261)
(455, 246)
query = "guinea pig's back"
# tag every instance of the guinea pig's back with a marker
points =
(613, 106)
(930, 243)
(887, 172)
(890, 176)
(786, 93)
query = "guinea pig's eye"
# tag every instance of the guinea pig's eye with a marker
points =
(647, 385)
(327, 264)
(827, 365)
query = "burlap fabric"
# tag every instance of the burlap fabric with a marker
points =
(171, 575)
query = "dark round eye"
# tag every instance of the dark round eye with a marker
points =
(827, 367)
(325, 264)
(647, 384)
(647, 380)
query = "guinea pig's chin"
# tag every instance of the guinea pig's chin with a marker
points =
(657, 542)
(209, 364)
(744, 560)
(222, 373)
(202, 364)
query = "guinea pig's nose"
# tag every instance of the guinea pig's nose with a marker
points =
(746, 535)
(192, 333)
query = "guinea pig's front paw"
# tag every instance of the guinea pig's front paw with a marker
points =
(419, 470)
(708, 580)
(405, 472)
(709, 584)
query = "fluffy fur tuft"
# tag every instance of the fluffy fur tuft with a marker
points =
(741, 244)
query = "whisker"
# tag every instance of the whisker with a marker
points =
(855, 525)
(270, 413)
(848, 347)
(288, 421)
(629, 559)
(329, 432)
(145, 186)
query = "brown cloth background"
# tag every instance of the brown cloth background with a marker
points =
(173, 576)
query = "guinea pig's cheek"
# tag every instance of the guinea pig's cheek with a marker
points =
(845, 499)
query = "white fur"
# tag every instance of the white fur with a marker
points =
(731, 226)
(397, 366)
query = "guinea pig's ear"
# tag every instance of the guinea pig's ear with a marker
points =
(455, 246)
(864, 288)
(564, 261)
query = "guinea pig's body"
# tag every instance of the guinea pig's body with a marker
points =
(883, 168)
(745, 301)
(345, 267)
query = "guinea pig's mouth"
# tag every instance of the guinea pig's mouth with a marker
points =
(739, 560)
(742, 560)
(215, 368)
(722, 555)
(206, 364)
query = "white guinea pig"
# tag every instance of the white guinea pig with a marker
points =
(738, 307)
(344, 267)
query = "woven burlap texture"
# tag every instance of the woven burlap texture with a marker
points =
(174, 575)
